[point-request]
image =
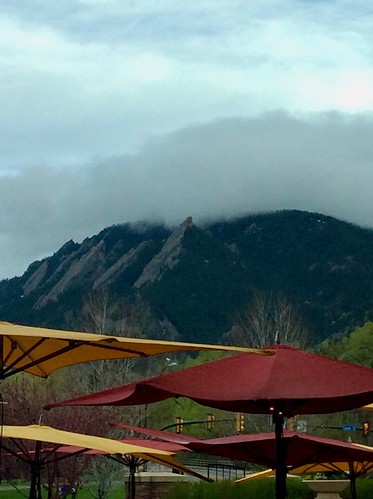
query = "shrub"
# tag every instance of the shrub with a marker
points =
(261, 488)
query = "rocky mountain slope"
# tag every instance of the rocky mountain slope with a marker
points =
(192, 281)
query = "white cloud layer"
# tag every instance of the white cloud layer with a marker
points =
(114, 111)
(219, 169)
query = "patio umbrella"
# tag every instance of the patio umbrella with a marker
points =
(14, 437)
(368, 407)
(351, 470)
(288, 383)
(301, 449)
(305, 453)
(163, 435)
(40, 351)
(134, 462)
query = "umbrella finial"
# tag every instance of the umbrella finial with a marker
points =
(277, 337)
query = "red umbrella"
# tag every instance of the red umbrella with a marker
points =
(134, 462)
(165, 436)
(302, 450)
(258, 448)
(288, 383)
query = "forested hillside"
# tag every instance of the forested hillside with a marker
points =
(191, 282)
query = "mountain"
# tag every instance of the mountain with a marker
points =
(191, 281)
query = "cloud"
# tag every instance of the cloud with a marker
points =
(89, 78)
(116, 111)
(224, 168)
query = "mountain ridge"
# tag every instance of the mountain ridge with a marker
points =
(195, 279)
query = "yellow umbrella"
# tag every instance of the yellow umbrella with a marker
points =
(40, 351)
(353, 460)
(47, 434)
(368, 407)
(359, 468)
(351, 469)
(52, 435)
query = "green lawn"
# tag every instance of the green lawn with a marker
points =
(258, 489)
(7, 493)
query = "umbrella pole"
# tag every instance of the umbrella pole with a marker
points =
(132, 478)
(35, 489)
(353, 486)
(281, 469)
(34, 475)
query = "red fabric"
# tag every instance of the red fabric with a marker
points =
(260, 448)
(166, 436)
(151, 444)
(292, 381)
(301, 449)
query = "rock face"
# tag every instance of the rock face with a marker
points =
(167, 257)
(93, 264)
(120, 265)
(193, 280)
(90, 263)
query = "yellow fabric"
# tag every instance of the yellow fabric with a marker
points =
(368, 407)
(358, 467)
(48, 434)
(45, 347)
(259, 474)
(109, 446)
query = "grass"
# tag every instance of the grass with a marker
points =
(8, 493)
(255, 489)
(258, 489)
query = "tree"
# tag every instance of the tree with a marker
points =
(266, 320)
(104, 314)
(357, 347)
(24, 396)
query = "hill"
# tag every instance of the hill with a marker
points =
(190, 282)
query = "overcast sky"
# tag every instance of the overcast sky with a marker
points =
(119, 110)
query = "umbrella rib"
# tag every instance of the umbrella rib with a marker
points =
(10, 369)
(47, 453)
(128, 460)
(70, 454)
(367, 467)
(114, 348)
(13, 347)
(23, 454)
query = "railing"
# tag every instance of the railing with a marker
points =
(215, 469)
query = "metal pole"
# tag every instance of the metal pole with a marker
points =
(281, 451)
(132, 480)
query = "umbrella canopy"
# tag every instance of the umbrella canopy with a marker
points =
(305, 453)
(170, 447)
(357, 468)
(79, 443)
(368, 407)
(164, 436)
(40, 351)
(290, 382)
(134, 462)
(259, 448)
(301, 449)
(350, 469)
(51, 435)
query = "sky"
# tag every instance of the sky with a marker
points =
(116, 111)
